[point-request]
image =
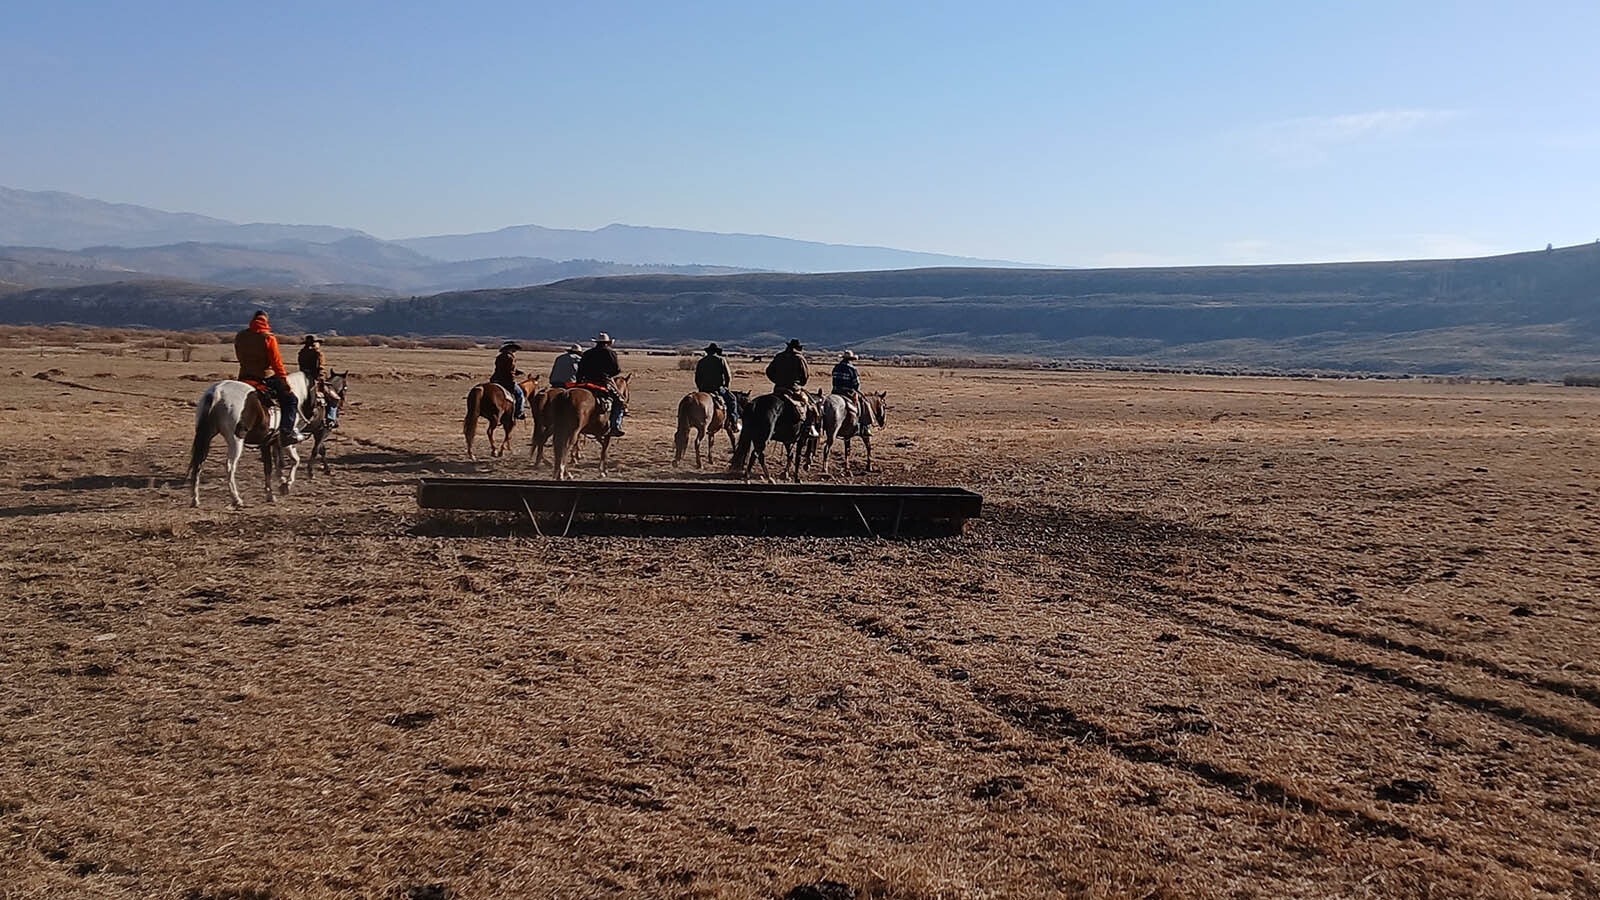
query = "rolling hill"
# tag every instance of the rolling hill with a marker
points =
(1528, 314)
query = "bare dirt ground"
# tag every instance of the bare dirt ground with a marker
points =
(1212, 638)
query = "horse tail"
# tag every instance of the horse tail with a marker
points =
(680, 440)
(757, 419)
(469, 425)
(202, 432)
(564, 427)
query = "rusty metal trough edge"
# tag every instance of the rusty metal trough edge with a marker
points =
(693, 499)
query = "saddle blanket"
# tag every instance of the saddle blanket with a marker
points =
(510, 398)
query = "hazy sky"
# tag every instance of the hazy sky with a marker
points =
(1074, 134)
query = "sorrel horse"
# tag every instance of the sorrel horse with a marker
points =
(233, 410)
(539, 410)
(840, 420)
(318, 428)
(493, 402)
(575, 412)
(700, 413)
(771, 417)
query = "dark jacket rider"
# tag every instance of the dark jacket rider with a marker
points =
(316, 371)
(787, 371)
(505, 375)
(712, 376)
(598, 366)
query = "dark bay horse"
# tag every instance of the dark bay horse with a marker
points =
(493, 402)
(698, 412)
(575, 412)
(840, 421)
(771, 417)
(318, 428)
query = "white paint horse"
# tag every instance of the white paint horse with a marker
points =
(231, 409)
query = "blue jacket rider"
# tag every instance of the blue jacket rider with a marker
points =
(847, 384)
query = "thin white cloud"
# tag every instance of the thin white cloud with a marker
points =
(1310, 140)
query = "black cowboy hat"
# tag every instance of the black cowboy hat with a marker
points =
(794, 344)
(713, 348)
(510, 345)
(313, 339)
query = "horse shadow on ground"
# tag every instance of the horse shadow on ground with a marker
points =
(47, 509)
(407, 463)
(106, 483)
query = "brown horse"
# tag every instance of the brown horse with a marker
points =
(698, 412)
(539, 409)
(493, 402)
(317, 427)
(576, 412)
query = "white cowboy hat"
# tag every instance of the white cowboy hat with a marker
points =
(602, 338)
(574, 348)
(849, 354)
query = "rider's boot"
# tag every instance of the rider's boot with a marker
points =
(616, 418)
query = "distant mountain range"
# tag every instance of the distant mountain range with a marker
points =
(1528, 314)
(94, 241)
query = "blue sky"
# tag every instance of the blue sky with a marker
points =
(1089, 135)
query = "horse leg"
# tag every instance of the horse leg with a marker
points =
(202, 445)
(680, 446)
(235, 451)
(287, 469)
(505, 439)
(605, 444)
(266, 465)
(866, 445)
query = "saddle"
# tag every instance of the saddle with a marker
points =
(602, 395)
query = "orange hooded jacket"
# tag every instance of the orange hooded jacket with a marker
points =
(257, 351)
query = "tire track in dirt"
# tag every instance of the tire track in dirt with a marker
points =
(1556, 686)
(1511, 713)
(1061, 724)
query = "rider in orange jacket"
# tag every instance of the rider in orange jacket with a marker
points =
(259, 360)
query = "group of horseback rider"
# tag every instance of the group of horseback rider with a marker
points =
(788, 373)
(596, 367)
(261, 363)
(593, 368)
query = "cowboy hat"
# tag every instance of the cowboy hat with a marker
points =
(313, 339)
(713, 348)
(849, 354)
(574, 348)
(794, 344)
(602, 338)
(510, 345)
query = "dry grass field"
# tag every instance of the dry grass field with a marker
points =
(1212, 638)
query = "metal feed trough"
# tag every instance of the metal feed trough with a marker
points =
(891, 507)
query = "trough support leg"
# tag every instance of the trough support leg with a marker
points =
(863, 517)
(571, 513)
(529, 510)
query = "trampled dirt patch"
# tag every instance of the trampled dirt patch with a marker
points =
(1214, 637)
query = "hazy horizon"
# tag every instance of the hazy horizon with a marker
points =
(1132, 136)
